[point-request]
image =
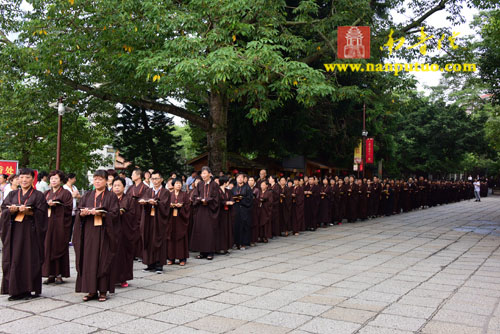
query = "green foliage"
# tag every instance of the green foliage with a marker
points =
(146, 139)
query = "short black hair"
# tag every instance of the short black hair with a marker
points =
(28, 171)
(207, 169)
(71, 175)
(120, 179)
(139, 171)
(157, 172)
(61, 175)
(41, 175)
(176, 180)
(101, 173)
(223, 179)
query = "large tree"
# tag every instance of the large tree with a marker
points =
(259, 53)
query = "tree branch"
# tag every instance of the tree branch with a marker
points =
(440, 6)
(141, 103)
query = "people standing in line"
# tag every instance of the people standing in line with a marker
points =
(75, 194)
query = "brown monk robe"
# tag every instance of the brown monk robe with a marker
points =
(285, 206)
(23, 226)
(123, 265)
(337, 201)
(333, 191)
(362, 200)
(255, 213)
(136, 191)
(154, 220)
(352, 201)
(60, 201)
(311, 205)
(192, 208)
(324, 204)
(275, 221)
(265, 212)
(177, 227)
(206, 199)
(224, 236)
(94, 239)
(298, 223)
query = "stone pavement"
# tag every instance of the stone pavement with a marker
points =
(430, 271)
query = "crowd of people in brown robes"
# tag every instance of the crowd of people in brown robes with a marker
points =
(158, 222)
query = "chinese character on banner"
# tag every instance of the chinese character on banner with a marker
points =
(8, 167)
(369, 151)
(353, 42)
(357, 153)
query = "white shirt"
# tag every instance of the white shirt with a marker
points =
(157, 190)
(42, 186)
(74, 198)
(128, 183)
(6, 191)
(477, 186)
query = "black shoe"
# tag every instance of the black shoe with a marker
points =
(30, 296)
(149, 268)
(159, 270)
(19, 296)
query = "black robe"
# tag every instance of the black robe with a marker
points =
(23, 243)
(242, 214)
(311, 206)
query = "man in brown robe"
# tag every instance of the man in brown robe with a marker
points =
(136, 191)
(178, 223)
(123, 265)
(95, 239)
(324, 204)
(224, 235)
(311, 204)
(206, 200)
(23, 225)
(242, 209)
(154, 221)
(60, 201)
(362, 200)
(298, 223)
(275, 220)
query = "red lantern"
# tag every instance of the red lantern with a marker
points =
(235, 171)
(318, 171)
(300, 175)
(281, 174)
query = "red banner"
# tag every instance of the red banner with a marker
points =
(369, 150)
(8, 167)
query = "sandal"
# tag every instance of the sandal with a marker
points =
(90, 296)
(200, 257)
(169, 263)
(210, 258)
(49, 280)
(102, 298)
(59, 280)
(182, 263)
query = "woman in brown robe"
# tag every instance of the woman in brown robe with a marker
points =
(265, 212)
(206, 200)
(225, 228)
(362, 200)
(352, 201)
(324, 204)
(136, 191)
(60, 202)
(177, 227)
(94, 239)
(275, 220)
(298, 223)
(311, 204)
(285, 207)
(23, 225)
(154, 220)
(255, 213)
(123, 265)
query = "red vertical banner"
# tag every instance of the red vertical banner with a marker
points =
(369, 150)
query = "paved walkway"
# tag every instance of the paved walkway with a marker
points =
(430, 271)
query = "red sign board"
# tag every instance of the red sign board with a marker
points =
(369, 150)
(353, 42)
(8, 167)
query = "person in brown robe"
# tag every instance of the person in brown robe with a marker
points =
(123, 265)
(94, 239)
(224, 235)
(206, 200)
(311, 204)
(333, 194)
(136, 191)
(275, 220)
(193, 209)
(265, 212)
(177, 227)
(352, 201)
(242, 209)
(60, 202)
(285, 207)
(324, 204)
(298, 223)
(154, 220)
(23, 225)
(255, 220)
(377, 189)
(362, 200)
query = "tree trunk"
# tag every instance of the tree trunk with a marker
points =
(217, 132)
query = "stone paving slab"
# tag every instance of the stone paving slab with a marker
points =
(429, 271)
